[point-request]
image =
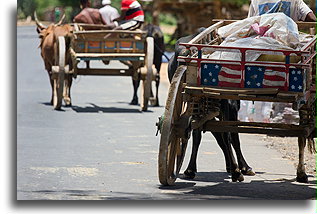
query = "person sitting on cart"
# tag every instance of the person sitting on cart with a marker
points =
(132, 16)
(108, 13)
(88, 15)
(295, 9)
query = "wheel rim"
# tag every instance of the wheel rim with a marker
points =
(172, 147)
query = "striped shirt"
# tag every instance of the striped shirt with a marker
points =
(133, 10)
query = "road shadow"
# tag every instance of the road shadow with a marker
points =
(98, 109)
(221, 188)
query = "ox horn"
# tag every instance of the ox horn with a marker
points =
(61, 20)
(38, 23)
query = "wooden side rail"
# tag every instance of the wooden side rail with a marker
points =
(274, 129)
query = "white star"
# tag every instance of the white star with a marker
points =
(255, 76)
(248, 68)
(213, 80)
(216, 66)
(299, 72)
(293, 87)
(295, 78)
(293, 71)
(205, 80)
(260, 69)
(258, 84)
(210, 74)
(300, 87)
(205, 66)
(248, 83)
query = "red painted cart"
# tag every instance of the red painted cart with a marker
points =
(200, 81)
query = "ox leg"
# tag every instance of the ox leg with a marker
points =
(157, 84)
(301, 175)
(231, 165)
(52, 86)
(87, 64)
(243, 166)
(136, 84)
(191, 170)
(66, 92)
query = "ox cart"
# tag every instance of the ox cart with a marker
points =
(92, 42)
(193, 95)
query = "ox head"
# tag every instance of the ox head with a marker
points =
(41, 26)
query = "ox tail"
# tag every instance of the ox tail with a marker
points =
(161, 51)
(311, 145)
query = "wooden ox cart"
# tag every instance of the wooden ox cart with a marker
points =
(92, 42)
(193, 95)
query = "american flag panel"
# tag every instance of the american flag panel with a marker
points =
(255, 76)
(265, 77)
(220, 75)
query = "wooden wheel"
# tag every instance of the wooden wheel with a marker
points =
(146, 86)
(60, 52)
(173, 144)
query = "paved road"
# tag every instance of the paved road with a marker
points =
(104, 148)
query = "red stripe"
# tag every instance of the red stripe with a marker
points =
(228, 84)
(233, 76)
(274, 78)
(232, 67)
(137, 13)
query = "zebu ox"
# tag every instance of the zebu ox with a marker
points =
(159, 48)
(229, 111)
(49, 37)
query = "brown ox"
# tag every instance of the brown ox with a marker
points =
(49, 37)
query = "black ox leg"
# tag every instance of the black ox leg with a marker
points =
(191, 170)
(136, 84)
(235, 141)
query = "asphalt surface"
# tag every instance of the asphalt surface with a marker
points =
(102, 148)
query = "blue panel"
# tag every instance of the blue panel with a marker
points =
(254, 76)
(209, 74)
(140, 45)
(296, 79)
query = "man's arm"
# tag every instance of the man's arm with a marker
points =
(123, 14)
(310, 17)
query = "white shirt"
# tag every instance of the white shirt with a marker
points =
(109, 13)
(295, 9)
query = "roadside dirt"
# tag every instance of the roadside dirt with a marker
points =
(288, 147)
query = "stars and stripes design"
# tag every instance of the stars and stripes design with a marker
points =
(255, 77)
(220, 75)
(265, 77)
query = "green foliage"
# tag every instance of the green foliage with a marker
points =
(167, 19)
(26, 8)
(237, 2)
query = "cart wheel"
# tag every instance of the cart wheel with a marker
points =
(60, 52)
(146, 89)
(173, 144)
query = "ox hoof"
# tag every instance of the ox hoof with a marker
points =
(248, 172)
(189, 174)
(68, 103)
(134, 101)
(237, 176)
(303, 178)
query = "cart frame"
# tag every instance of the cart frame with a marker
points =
(91, 42)
(191, 105)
